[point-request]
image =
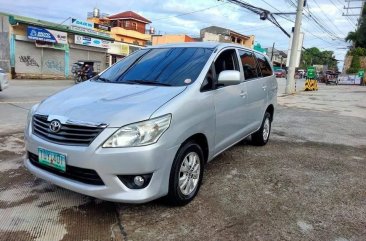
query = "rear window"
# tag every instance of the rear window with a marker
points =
(166, 66)
(264, 66)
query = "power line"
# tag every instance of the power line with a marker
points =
(347, 18)
(326, 16)
(187, 13)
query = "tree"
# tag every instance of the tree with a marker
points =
(313, 56)
(358, 37)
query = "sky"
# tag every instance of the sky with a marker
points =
(189, 16)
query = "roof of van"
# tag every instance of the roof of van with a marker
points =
(210, 44)
(198, 45)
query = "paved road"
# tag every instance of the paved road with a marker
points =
(306, 184)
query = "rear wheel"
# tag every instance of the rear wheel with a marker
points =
(261, 137)
(186, 174)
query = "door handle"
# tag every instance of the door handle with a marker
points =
(243, 94)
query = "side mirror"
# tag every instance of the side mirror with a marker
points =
(229, 77)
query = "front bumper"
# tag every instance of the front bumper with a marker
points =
(108, 163)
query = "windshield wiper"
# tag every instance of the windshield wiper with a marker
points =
(104, 79)
(150, 82)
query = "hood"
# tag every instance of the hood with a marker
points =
(109, 103)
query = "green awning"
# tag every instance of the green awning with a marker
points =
(14, 19)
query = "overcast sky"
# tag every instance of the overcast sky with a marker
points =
(163, 15)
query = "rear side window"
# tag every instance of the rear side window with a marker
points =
(263, 65)
(249, 64)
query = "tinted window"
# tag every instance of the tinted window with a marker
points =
(170, 66)
(263, 65)
(249, 64)
(226, 61)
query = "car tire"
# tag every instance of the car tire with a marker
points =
(186, 174)
(261, 137)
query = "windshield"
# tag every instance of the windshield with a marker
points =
(161, 66)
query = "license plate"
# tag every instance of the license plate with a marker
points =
(52, 159)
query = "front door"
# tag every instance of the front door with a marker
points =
(230, 102)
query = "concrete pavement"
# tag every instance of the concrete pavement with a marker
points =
(20, 96)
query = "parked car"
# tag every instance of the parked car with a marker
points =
(280, 73)
(4, 83)
(145, 127)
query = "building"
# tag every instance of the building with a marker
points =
(218, 34)
(278, 57)
(170, 38)
(34, 48)
(128, 29)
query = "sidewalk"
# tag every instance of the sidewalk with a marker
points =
(300, 85)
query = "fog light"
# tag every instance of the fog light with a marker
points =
(136, 181)
(139, 181)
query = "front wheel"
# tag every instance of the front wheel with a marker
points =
(261, 137)
(186, 174)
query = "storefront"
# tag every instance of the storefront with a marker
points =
(88, 48)
(41, 49)
(39, 52)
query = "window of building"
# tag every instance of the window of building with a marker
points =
(127, 24)
(263, 65)
(249, 64)
(134, 26)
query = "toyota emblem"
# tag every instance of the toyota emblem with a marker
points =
(55, 126)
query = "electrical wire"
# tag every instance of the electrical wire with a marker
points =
(346, 17)
(326, 16)
(187, 13)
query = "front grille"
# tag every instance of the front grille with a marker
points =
(83, 175)
(69, 134)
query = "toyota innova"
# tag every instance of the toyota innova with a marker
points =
(145, 127)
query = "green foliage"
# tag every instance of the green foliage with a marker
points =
(357, 52)
(356, 63)
(358, 37)
(313, 56)
(352, 71)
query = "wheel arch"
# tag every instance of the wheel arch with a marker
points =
(270, 110)
(201, 140)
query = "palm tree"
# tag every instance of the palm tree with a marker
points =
(353, 37)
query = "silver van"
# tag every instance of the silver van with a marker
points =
(146, 126)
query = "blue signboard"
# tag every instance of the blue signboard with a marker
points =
(46, 35)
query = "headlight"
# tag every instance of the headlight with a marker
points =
(139, 134)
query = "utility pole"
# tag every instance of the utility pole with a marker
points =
(272, 52)
(290, 81)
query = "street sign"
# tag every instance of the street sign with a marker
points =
(361, 73)
(311, 73)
